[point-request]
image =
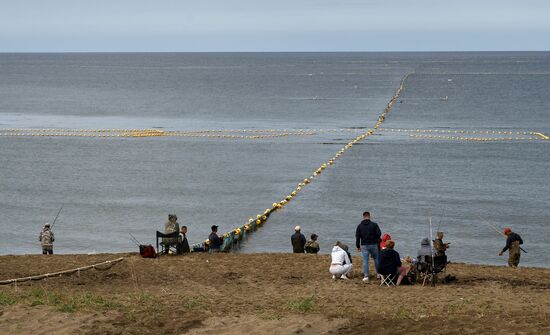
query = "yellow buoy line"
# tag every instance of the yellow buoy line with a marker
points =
(103, 133)
(235, 235)
(509, 133)
(475, 139)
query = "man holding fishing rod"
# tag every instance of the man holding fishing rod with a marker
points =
(47, 237)
(513, 242)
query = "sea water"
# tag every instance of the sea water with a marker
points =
(110, 187)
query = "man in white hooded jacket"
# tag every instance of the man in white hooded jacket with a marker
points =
(340, 264)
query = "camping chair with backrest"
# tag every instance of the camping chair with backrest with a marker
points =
(428, 270)
(170, 246)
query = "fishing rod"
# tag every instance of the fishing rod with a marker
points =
(54, 220)
(135, 240)
(432, 253)
(498, 231)
(441, 219)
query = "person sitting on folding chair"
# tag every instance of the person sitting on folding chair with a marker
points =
(170, 227)
(389, 265)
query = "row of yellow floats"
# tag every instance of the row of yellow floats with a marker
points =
(476, 139)
(267, 133)
(501, 135)
(232, 238)
(105, 133)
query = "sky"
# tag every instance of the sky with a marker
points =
(276, 25)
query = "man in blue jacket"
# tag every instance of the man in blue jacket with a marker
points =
(367, 237)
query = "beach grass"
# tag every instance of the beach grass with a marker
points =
(63, 302)
(302, 305)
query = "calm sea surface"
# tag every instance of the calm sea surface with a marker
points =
(110, 187)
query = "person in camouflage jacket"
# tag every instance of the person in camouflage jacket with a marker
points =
(171, 226)
(46, 239)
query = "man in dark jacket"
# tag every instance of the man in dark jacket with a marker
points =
(298, 241)
(367, 237)
(215, 240)
(183, 245)
(513, 242)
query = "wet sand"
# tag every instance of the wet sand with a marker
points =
(261, 294)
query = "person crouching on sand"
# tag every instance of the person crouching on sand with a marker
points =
(340, 264)
(46, 239)
(513, 242)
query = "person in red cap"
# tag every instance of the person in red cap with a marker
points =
(513, 242)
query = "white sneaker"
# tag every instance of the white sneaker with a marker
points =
(333, 277)
(366, 279)
(344, 277)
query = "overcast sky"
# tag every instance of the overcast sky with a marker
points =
(275, 25)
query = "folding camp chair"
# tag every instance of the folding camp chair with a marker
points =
(428, 270)
(170, 246)
(389, 280)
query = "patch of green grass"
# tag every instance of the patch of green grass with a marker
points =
(193, 303)
(458, 305)
(302, 305)
(92, 301)
(6, 299)
(130, 315)
(271, 316)
(403, 314)
(43, 297)
(67, 307)
(65, 302)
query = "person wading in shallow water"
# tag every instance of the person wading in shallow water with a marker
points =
(513, 242)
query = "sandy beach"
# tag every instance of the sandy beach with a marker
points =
(261, 294)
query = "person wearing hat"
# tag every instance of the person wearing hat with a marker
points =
(46, 239)
(298, 241)
(513, 242)
(215, 241)
(170, 227)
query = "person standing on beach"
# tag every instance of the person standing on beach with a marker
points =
(46, 239)
(298, 241)
(439, 246)
(367, 237)
(513, 242)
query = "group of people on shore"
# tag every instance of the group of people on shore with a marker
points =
(370, 242)
(171, 227)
